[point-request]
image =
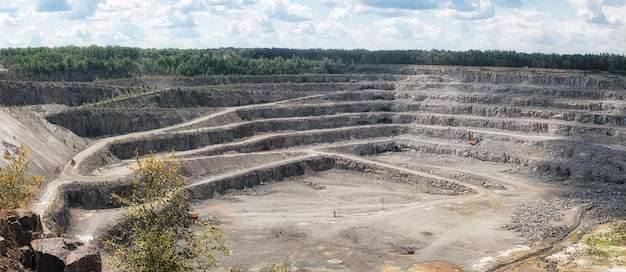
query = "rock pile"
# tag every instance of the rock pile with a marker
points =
(66, 255)
(537, 222)
(22, 227)
(24, 232)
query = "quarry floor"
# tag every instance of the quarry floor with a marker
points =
(362, 223)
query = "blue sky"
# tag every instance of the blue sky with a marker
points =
(547, 26)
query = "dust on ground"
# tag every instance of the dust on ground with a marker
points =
(360, 222)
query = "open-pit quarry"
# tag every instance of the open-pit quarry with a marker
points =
(384, 168)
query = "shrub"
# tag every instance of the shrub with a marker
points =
(16, 189)
(159, 235)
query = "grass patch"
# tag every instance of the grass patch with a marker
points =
(614, 237)
(606, 245)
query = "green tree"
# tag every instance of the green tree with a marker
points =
(16, 189)
(158, 234)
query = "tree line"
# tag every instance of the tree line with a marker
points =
(122, 62)
(494, 58)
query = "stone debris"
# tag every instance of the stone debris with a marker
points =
(536, 222)
(66, 255)
(254, 191)
(314, 185)
(45, 254)
(23, 226)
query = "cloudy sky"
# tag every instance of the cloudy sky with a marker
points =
(547, 26)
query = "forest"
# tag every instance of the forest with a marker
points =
(123, 62)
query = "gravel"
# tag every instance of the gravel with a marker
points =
(536, 221)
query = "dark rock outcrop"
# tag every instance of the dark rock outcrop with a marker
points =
(66, 255)
(28, 257)
(23, 226)
(99, 122)
(71, 94)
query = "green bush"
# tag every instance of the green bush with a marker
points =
(159, 235)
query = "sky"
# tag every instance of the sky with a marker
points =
(545, 26)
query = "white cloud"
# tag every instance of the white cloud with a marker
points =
(285, 10)
(11, 19)
(303, 28)
(406, 33)
(525, 30)
(340, 13)
(334, 3)
(187, 6)
(123, 32)
(331, 29)
(383, 12)
(181, 20)
(562, 26)
(81, 9)
(590, 10)
(468, 9)
(252, 25)
(77, 34)
(8, 7)
(532, 30)
(29, 35)
(230, 2)
(225, 10)
(403, 4)
(118, 36)
(508, 3)
(616, 14)
(117, 5)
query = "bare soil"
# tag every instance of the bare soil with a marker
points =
(379, 225)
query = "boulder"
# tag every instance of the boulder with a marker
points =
(23, 226)
(30, 220)
(66, 255)
(28, 257)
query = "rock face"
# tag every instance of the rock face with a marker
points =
(66, 255)
(98, 122)
(33, 93)
(24, 225)
(51, 254)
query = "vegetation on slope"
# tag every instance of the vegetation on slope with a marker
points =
(607, 243)
(123, 62)
(158, 233)
(16, 190)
